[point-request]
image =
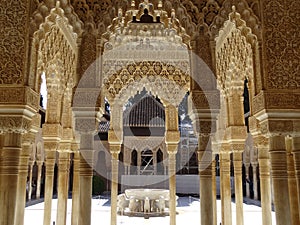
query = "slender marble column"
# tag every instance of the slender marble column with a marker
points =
(292, 183)
(114, 182)
(31, 163)
(85, 206)
(296, 154)
(247, 165)
(205, 172)
(75, 189)
(265, 188)
(63, 178)
(9, 176)
(21, 194)
(214, 190)
(238, 186)
(226, 188)
(172, 149)
(280, 180)
(39, 177)
(49, 175)
(254, 167)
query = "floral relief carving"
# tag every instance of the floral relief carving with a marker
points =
(13, 41)
(11, 124)
(281, 45)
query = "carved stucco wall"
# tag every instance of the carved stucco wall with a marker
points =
(14, 41)
(282, 44)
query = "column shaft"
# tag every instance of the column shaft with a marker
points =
(39, 177)
(296, 163)
(279, 179)
(206, 192)
(254, 166)
(114, 187)
(75, 189)
(172, 186)
(238, 186)
(214, 191)
(247, 165)
(63, 178)
(21, 193)
(292, 183)
(86, 180)
(48, 193)
(265, 189)
(9, 168)
(30, 180)
(226, 189)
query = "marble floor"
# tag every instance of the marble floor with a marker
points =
(188, 209)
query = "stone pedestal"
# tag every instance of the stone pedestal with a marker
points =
(280, 180)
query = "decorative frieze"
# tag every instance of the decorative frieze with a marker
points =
(19, 96)
(14, 124)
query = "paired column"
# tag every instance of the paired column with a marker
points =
(31, 163)
(225, 188)
(9, 176)
(205, 172)
(86, 178)
(280, 180)
(238, 185)
(21, 193)
(63, 181)
(50, 158)
(247, 165)
(265, 181)
(75, 189)
(292, 182)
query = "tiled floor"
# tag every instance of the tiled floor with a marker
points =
(188, 211)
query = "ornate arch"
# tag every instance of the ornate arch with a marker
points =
(234, 54)
(57, 50)
(42, 9)
(131, 53)
(245, 12)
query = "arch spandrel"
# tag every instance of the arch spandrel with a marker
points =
(43, 9)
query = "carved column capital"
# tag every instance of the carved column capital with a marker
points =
(14, 124)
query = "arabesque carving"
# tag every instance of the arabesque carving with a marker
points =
(13, 42)
(281, 48)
